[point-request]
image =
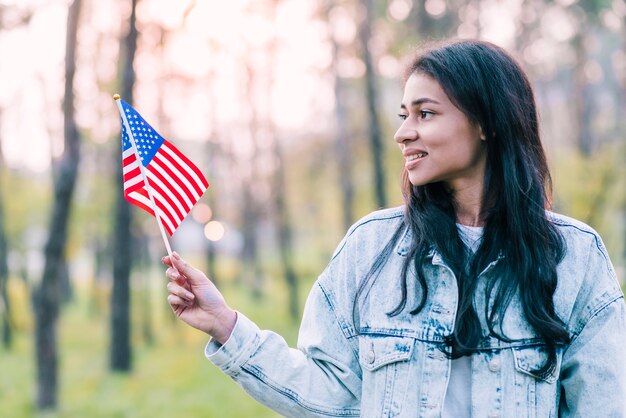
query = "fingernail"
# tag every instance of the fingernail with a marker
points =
(189, 295)
(176, 256)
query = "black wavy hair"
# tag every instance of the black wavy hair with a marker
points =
(492, 90)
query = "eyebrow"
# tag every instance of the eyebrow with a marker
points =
(420, 101)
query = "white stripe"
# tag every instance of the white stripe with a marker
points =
(158, 162)
(154, 180)
(128, 152)
(170, 212)
(131, 182)
(130, 167)
(146, 201)
(184, 165)
(141, 198)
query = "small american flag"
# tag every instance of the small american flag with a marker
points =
(176, 183)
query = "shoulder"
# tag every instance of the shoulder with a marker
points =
(369, 231)
(578, 235)
(570, 225)
(587, 282)
(378, 219)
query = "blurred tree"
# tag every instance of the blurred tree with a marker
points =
(342, 142)
(121, 354)
(371, 88)
(20, 16)
(47, 295)
(283, 220)
(436, 19)
(5, 306)
(251, 208)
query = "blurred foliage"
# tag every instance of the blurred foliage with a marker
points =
(171, 378)
(593, 190)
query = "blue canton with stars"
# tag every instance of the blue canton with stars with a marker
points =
(148, 140)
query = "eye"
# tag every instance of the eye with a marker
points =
(401, 116)
(426, 114)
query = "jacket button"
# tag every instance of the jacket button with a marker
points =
(371, 356)
(494, 365)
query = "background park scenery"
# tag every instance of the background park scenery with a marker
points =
(289, 109)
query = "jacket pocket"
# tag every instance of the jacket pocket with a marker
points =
(386, 364)
(530, 359)
(535, 391)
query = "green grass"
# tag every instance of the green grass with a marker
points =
(170, 377)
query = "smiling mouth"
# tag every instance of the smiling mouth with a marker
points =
(417, 156)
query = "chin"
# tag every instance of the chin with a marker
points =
(419, 181)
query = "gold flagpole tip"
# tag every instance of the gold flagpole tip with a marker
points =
(116, 96)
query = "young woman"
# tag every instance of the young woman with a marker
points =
(473, 299)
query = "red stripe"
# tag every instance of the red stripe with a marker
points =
(129, 160)
(189, 163)
(167, 213)
(182, 168)
(138, 203)
(135, 187)
(180, 171)
(171, 190)
(166, 196)
(135, 172)
(174, 177)
(163, 209)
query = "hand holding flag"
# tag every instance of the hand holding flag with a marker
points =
(157, 177)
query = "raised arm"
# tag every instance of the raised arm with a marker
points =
(322, 378)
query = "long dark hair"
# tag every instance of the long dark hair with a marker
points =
(491, 89)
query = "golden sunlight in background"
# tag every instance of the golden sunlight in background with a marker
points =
(202, 67)
(214, 231)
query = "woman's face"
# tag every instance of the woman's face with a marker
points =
(437, 140)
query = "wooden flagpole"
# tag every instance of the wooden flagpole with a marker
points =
(157, 212)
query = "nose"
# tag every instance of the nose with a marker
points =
(405, 133)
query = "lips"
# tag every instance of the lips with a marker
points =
(413, 157)
(416, 156)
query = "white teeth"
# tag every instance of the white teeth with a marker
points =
(416, 156)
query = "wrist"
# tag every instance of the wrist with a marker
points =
(224, 325)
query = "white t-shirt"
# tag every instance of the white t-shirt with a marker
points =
(458, 400)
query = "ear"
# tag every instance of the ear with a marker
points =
(481, 134)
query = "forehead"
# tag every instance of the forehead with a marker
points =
(419, 86)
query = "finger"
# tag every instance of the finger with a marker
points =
(173, 274)
(187, 270)
(180, 291)
(176, 303)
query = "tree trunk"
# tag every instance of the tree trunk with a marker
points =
(143, 258)
(5, 307)
(120, 354)
(283, 221)
(47, 295)
(582, 97)
(251, 209)
(342, 144)
(211, 261)
(375, 134)
(285, 234)
(442, 26)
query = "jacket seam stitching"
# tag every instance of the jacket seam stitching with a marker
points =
(343, 326)
(595, 313)
(360, 224)
(297, 398)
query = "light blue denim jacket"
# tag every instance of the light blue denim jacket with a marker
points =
(391, 367)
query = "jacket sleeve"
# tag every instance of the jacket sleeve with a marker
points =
(593, 370)
(322, 378)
